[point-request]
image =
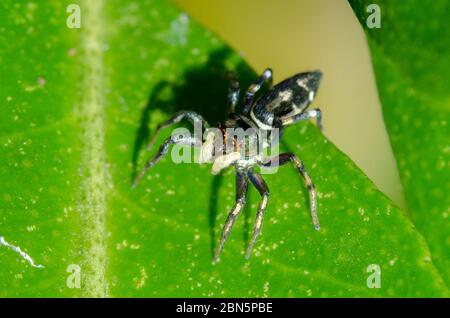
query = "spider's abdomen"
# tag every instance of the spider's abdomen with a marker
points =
(288, 98)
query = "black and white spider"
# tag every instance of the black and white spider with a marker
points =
(282, 105)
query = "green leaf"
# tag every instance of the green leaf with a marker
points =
(410, 57)
(77, 107)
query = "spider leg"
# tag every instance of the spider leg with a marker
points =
(174, 139)
(224, 161)
(313, 113)
(266, 76)
(290, 157)
(260, 184)
(233, 92)
(241, 197)
(193, 117)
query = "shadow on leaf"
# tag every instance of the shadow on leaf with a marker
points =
(203, 89)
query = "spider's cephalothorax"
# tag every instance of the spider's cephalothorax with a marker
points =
(283, 104)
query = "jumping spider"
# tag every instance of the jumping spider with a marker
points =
(282, 105)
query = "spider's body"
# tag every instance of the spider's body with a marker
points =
(284, 104)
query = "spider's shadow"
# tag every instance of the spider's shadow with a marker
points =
(203, 89)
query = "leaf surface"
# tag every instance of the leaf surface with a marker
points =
(412, 68)
(77, 108)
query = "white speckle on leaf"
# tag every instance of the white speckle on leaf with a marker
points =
(122, 245)
(170, 192)
(72, 51)
(41, 81)
(178, 32)
(195, 51)
(140, 282)
(266, 288)
(18, 250)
